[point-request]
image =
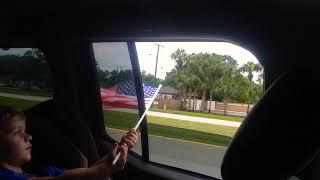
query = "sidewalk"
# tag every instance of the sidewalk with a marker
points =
(31, 98)
(183, 117)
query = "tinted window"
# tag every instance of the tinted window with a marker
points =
(25, 78)
(118, 93)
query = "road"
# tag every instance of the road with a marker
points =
(197, 157)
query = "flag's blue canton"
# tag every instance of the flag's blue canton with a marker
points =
(128, 88)
(148, 90)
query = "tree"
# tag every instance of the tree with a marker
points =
(228, 85)
(179, 56)
(219, 67)
(171, 79)
(215, 74)
(251, 67)
(204, 64)
(149, 78)
(35, 71)
(191, 70)
(260, 77)
(182, 86)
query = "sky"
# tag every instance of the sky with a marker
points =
(111, 56)
(147, 52)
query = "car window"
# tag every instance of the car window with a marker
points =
(208, 89)
(117, 89)
(25, 77)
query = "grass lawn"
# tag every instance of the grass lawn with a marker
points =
(199, 114)
(11, 90)
(192, 131)
(20, 104)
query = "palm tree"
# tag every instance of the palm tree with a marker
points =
(182, 79)
(204, 81)
(216, 72)
(179, 56)
(227, 84)
(228, 87)
(260, 78)
(191, 69)
(251, 67)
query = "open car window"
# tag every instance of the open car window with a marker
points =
(208, 89)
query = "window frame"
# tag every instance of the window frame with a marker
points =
(141, 104)
(140, 98)
(139, 93)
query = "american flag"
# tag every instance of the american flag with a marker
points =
(123, 95)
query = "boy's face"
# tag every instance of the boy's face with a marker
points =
(15, 144)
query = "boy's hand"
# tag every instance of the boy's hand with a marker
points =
(123, 149)
(130, 138)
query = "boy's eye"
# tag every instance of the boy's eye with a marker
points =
(18, 132)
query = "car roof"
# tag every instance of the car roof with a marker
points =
(269, 29)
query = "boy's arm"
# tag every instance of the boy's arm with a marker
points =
(99, 171)
(95, 172)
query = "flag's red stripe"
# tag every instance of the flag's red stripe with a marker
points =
(110, 99)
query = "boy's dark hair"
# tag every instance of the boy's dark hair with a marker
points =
(7, 114)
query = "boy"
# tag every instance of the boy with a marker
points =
(15, 150)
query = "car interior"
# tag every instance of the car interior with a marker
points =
(275, 141)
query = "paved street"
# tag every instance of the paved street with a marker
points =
(198, 157)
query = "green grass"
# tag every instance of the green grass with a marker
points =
(20, 104)
(11, 90)
(196, 126)
(199, 114)
(192, 131)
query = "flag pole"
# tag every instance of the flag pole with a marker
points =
(141, 118)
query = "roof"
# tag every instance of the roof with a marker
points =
(168, 90)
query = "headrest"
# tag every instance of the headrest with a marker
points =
(280, 136)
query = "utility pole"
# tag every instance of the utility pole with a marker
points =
(156, 69)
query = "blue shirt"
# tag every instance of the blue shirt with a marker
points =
(51, 171)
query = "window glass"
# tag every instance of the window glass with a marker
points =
(208, 89)
(118, 93)
(25, 78)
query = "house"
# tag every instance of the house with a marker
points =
(167, 92)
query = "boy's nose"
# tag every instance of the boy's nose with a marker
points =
(28, 138)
